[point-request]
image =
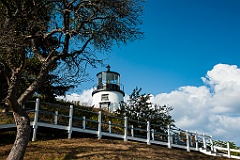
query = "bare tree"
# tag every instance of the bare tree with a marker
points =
(69, 33)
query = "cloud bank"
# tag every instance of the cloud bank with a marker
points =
(84, 98)
(213, 108)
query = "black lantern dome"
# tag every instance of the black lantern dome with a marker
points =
(108, 81)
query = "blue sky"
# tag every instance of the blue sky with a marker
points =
(189, 59)
(183, 39)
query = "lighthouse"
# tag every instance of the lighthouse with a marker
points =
(108, 92)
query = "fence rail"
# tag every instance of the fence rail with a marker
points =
(104, 125)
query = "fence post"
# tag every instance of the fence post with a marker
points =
(187, 141)
(211, 141)
(109, 126)
(56, 117)
(70, 121)
(84, 122)
(204, 142)
(169, 137)
(228, 148)
(99, 125)
(35, 125)
(148, 133)
(196, 139)
(125, 128)
(132, 131)
(153, 134)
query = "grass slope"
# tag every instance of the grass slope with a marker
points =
(101, 149)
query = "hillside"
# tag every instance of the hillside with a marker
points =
(101, 149)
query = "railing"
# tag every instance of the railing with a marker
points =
(100, 124)
(108, 86)
(226, 152)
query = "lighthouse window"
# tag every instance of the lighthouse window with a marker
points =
(105, 105)
(104, 97)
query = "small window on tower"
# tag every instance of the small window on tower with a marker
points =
(104, 105)
(104, 97)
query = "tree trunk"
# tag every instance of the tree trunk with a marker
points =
(23, 134)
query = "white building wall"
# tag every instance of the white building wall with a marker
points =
(114, 98)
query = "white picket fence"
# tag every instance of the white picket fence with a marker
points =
(172, 137)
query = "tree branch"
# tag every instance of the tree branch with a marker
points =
(52, 32)
(35, 85)
(35, 51)
(82, 48)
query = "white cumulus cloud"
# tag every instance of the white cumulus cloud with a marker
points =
(84, 98)
(213, 108)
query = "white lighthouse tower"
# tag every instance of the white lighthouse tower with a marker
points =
(108, 92)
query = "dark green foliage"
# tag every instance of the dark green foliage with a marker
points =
(52, 86)
(140, 109)
(3, 88)
(223, 144)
